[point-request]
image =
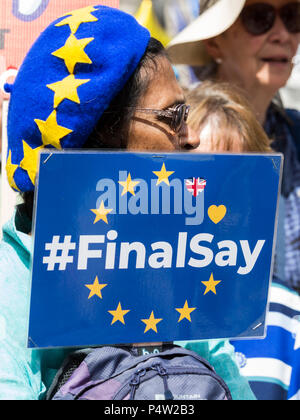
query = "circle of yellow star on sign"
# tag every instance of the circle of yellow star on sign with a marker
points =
(101, 213)
(128, 185)
(211, 285)
(151, 323)
(95, 288)
(185, 312)
(77, 17)
(118, 314)
(163, 175)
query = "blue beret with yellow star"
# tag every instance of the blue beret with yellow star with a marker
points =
(67, 80)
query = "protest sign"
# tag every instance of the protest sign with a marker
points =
(139, 247)
(21, 22)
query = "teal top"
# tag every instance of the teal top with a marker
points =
(26, 374)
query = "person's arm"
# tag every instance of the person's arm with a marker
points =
(20, 368)
(20, 373)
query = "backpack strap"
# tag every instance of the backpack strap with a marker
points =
(294, 127)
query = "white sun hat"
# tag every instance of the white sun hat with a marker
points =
(216, 16)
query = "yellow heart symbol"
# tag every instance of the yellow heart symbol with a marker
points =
(216, 214)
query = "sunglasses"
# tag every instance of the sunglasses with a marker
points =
(174, 117)
(259, 18)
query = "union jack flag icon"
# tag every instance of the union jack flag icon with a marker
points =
(195, 185)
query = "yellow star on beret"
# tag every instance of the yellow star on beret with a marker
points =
(30, 160)
(77, 17)
(67, 89)
(52, 133)
(73, 52)
(10, 171)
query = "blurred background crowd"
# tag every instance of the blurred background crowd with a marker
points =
(166, 18)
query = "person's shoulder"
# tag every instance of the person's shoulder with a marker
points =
(14, 260)
(294, 127)
(278, 112)
(7, 255)
(15, 245)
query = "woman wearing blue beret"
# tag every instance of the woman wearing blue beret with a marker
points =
(93, 79)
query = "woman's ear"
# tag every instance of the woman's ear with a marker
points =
(213, 49)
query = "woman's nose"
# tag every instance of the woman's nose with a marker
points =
(191, 140)
(279, 32)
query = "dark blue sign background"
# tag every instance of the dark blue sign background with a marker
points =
(83, 294)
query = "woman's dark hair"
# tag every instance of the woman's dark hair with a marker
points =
(111, 131)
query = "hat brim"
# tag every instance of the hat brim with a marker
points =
(188, 47)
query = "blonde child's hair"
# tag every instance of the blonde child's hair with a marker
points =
(229, 115)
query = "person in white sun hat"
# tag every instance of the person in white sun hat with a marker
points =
(248, 42)
(252, 44)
